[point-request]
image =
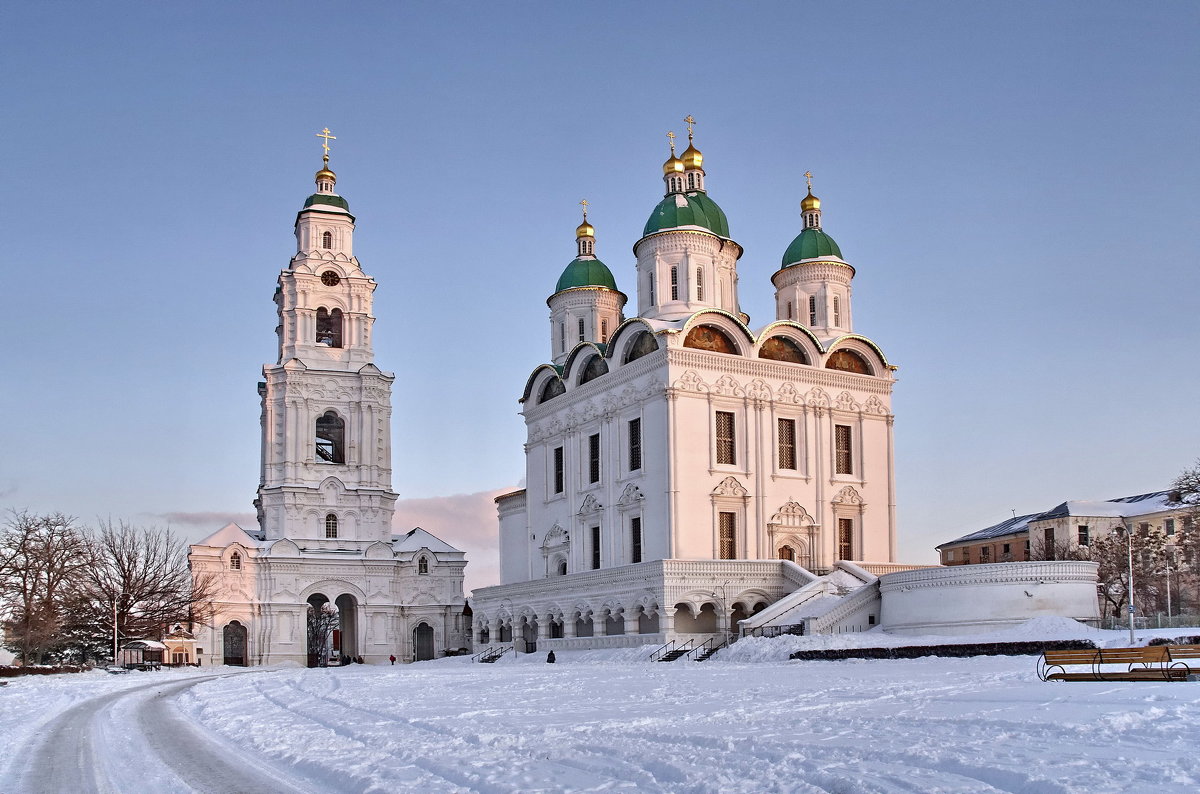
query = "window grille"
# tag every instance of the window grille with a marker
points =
(812, 310)
(422, 565)
(726, 440)
(674, 283)
(635, 539)
(235, 562)
(558, 470)
(595, 548)
(580, 329)
(604, 331)
(787, 443)
(594, 457)
(327, 240)
(727, 529)
(635, 444)
(699, 284)
(837, 311)
(843, 454)
(845, 538)
(331, 526)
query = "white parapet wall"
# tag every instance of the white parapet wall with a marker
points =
(970, 599)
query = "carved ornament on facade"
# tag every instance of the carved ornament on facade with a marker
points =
(730, 487)
(728, 387)
(690, 381)
(590, 505)
(758, 390)
(846, 402)
(874, 405)
(848, 496)
(817, 398)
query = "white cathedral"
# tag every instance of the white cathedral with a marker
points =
(685, 472)
(325, 499)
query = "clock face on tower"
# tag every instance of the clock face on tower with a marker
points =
(330, 279)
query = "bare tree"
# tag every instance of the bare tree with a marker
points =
(140, 577)
(322, 620)
(40, 559)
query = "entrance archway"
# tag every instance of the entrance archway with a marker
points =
(234, 642)
(422, 642)
(347, 641)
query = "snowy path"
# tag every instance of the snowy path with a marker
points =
(101, 744)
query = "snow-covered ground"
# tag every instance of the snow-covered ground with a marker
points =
(607, 720)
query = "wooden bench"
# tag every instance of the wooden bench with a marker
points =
(1151, 663)
(1184, 658)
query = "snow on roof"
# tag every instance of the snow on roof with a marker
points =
(1012, 526)
(149, 645)
(1124, 507)
(418, 538)
(231, 533)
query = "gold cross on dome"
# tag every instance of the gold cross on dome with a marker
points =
(584, 204)
(671, 137)
(325, 143)
(688, 120)
(808, 176)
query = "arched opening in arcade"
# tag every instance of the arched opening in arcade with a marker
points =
(423, 642)
(233, 638)
(332, 629)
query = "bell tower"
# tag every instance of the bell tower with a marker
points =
(325, 479)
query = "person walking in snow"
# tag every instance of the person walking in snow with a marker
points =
(550, 658)
(393, 658)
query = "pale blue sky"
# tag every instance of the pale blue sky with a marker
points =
(1016, 185)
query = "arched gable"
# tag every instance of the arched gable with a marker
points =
(727, 324)
(804, 339)
(537, 380)
(864, 347)
(626, 335)
(578, 358)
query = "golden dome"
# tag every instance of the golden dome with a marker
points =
(692, 158)
(810, 202)
(585, 229)
(326, 174)
(673, 165)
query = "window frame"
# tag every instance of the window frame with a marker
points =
(594, 460)
(634, 436)
(725, 444)
(786, 458)
(843, 449)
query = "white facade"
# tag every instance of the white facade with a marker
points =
(325, 500)
(687, 436)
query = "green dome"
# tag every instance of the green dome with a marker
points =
(586, 273)
(697, 210)
(810, 244)
(323, 198)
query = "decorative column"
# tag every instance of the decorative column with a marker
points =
(631, 622)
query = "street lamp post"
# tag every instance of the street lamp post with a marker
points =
(116, 599)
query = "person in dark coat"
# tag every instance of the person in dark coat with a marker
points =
(393, 658)
(550, 658)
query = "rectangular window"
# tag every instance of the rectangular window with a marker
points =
(985, 554)
(635, 539)
(594, 457)
(787, 443)
(674, 283)
(558, 470)
(580, 329)
(1144, 528)
(1007, 548)
(950, 555)
(1084, 535)
(789, 310)
(604, 331)
(562, 337)
(1169, 526)
(726, 440)
(843, 454)
(595, 548)
(699, 284)
(650, 278)
(635, 444)
(727, 528)
(812, 310)
(837, 311)
(845, 538)
(1027, 549)
(1048, 543)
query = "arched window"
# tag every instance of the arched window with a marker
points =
(699, 284)
(837, 311)
(691, 181)
(331, 526)
(580, 329)
(674, 283)
(848, 361)
(604, 330)
(235, 562)
(705, 337)
(812, 310)
(642, 345)
(422, 565)
(562, 567)
(329, 327)
(553, 388)
(780, 348)
(331, 438)
(595, 367)
(327, 240)
(787, 553)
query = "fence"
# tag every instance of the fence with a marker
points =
(1159, 621)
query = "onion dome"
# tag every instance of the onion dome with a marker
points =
(586, 273)
(810, 202)
(585, 229)
(812, 243)
(673, 165)
(692, 159)
(687, 210)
